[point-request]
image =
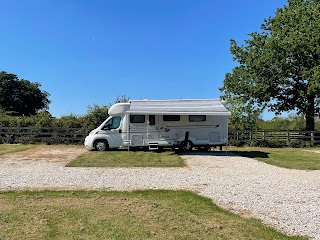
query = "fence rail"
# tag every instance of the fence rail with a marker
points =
(286, 137)
(42, 135)
(56, 135)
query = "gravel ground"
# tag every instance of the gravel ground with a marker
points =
(287, 199)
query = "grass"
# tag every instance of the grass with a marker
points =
(292, 158)
(13, 148)
(128, 159)
(123, 215)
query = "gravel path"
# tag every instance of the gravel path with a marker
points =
(286, 199)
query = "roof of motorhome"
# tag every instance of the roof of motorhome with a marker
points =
(179, 107)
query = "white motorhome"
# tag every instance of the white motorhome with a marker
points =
(156, 124)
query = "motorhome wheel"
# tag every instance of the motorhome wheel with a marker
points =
(101, 145)
(186, 145)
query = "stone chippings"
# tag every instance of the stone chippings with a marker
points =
(288, 200)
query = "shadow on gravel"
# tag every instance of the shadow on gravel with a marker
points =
(251, 154)
(207, 153)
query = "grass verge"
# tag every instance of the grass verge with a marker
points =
(122, 215)
(128, 159)
(13, 148)
(292, 158)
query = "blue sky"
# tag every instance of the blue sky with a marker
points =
(89, 52)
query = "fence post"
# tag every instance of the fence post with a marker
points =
(288, 138)
(12, 138)
(312, 137)
(264, 135)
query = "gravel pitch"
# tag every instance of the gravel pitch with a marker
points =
(288, 200)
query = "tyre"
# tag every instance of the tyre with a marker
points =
(101, 145)
(186, 145)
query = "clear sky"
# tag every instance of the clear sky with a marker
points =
(86, 52)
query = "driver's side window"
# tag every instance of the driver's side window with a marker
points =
(113, 123)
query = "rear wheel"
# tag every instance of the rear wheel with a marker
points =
(186, 145)
(101, 145)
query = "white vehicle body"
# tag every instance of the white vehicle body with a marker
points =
(162, 123)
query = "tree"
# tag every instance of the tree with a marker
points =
(279, 67)
(122, 99)
(292, 122)
(244, 116)
(96, 115)
(20, 96)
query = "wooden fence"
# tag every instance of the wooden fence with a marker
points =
(288, 138)
(76, 136)
(48, 135)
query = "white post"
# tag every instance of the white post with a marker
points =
(312, 137)
(128, 129)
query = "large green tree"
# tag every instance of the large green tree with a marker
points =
(279, 66)
(244, 116)
(20, 96)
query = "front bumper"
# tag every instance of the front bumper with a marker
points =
(88, 143)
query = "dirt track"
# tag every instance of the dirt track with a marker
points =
(43, 154)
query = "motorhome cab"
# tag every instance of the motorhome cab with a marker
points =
(162, 123)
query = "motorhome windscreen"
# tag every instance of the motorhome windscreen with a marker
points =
(116, 122)
(113, 123)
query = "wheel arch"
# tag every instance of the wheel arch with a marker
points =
(192, 139)
(100, 140)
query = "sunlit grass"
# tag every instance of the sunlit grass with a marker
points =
(293, 158)
(128, 159)
(13, 148)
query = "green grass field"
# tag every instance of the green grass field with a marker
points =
(128, 159)
(292, 158)
(122, 215)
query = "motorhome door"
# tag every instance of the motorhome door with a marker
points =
(113, 130)
(153, 127)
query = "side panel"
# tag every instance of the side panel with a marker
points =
(211, 131)
(225, 130)
(142, 132)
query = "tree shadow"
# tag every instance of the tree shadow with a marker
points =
(205, 153)
(249, 154)
(175, 152)
(144, 149)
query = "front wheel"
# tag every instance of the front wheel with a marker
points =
(101, 145)
(186, 145)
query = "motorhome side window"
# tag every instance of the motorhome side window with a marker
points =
(113, 123)
(171, 118)
(197, 118)
(137, 118)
